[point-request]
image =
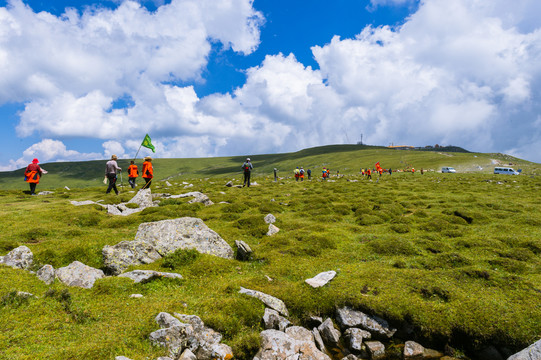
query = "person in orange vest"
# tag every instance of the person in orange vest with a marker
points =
(133, 173)
(369, 174)
(148, 172)
(297, 173)
(324, 174)
(32, 175)
(110, 172)
(301, 174)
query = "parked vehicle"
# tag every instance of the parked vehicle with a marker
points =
(505, 171)
(448, 170)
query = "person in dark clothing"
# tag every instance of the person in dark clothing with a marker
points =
(110, 171)
(247, 168)
(32, 174)
(309, 173)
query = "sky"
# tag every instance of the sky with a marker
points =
(82, 80)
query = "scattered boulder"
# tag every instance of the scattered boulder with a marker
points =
(347, 318)
(136, 296)
(229, 184)
(79, 274)
(157, 239)
(318, 340)
(167, 183)
(203, 343)
(532, 352)
(272, 230)
(329, 334)
(143, 198)
(198, 197)
(270, 301)
(45, 193)
(354, 338)
(321, 279)
(413, 350)
(375, 349)
(143, 276)
(121, 358)
(67, 188)
(85, 202)
(273, 320)
(295, 343)
(18, 258)
(270, 219)
(244, 252)
(46, 274)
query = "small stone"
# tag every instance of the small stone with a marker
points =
(413, 349)
(272, 230)
(270, 219)
(376, 349)
(136, 296)
(321, 279)
(46, 274)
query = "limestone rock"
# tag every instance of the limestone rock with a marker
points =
(167, 183)
(18, 258)
(270, 301)
(46, 274)
(143, 198)
(121, 358)
(375, 349)
(45, 193)
(79, 274)
(295, 343)
(318, 340)
(272, 230)
(203, 343)
(321, 279)
(85, 202)
(136, 296)
(198, 197)
(413, 349)
(244, 252)
(532, 352)
(143, 276)
(229, 184)
(157, 239)
(354, 338)
(270, 219)
(273, 320)
(187, 355)
(330, 335)
(347, 318)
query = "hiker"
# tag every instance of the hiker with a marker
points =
(309, 173)
(32, 174)
(247, 168)
(133, 173)
(422, 171)
(110, 172)
(324, 174)
(297, 173)
(148, 172)
(369, 174)
(275, 175)
(390, 172)
(301, 174)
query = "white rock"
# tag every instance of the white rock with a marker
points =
(321, 279)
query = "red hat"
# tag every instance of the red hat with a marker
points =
(35, 161)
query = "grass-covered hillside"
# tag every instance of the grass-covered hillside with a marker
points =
(455, 256)
(348, 159)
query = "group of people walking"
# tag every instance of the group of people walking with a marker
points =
(299, 173)
(112, 168)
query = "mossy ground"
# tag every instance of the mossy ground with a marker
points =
(455, 255)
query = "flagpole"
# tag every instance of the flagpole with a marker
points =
(137, 153)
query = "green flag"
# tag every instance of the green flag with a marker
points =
(148, 143)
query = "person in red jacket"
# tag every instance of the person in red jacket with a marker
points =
(133, 173)
(148, 172)
(32, 175)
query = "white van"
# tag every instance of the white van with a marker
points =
(505, 170)
(448, 170)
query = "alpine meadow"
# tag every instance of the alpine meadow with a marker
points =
(451, 260)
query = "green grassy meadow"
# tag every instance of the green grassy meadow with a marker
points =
(455, 256)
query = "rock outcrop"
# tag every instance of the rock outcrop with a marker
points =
(79, 274)
(18, 258)
(143, 276)
(187, 337)
(378, 327)
(295, 343)
(157, 239)
(270, 301)
(532, 352)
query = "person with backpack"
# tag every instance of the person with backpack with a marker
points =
(32, 174)
(309, 173)
(301, 174)
(133, 173)
(247, 168)
(110, 172)
(297, 173)
(148, 172)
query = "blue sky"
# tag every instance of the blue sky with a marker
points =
(83, 80)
